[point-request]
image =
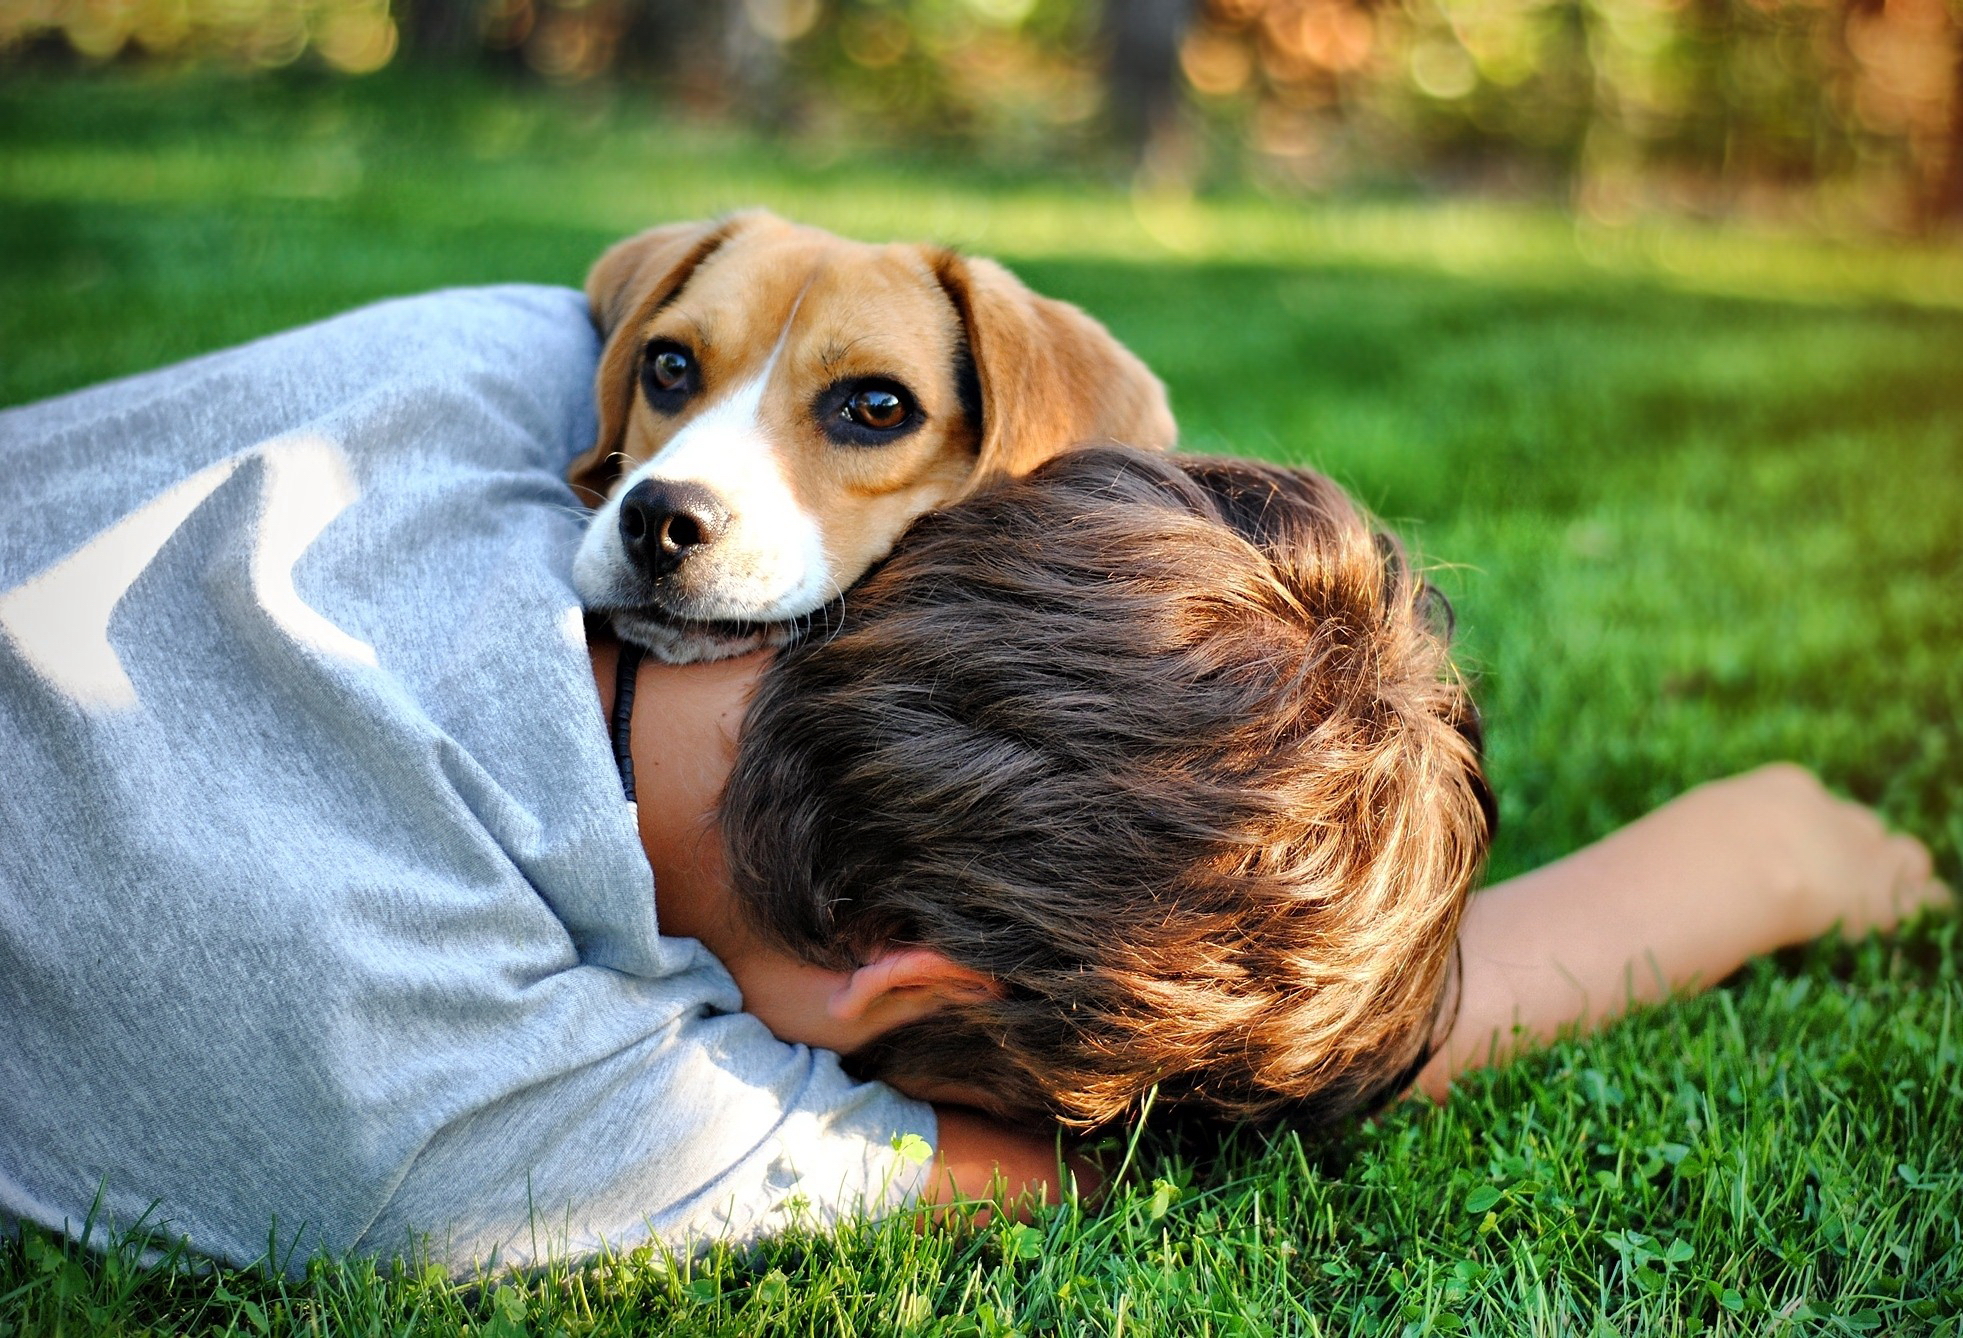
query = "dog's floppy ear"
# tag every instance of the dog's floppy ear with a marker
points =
(624, 288)
(1050, 377)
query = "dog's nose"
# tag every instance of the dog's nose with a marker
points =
(662, 522)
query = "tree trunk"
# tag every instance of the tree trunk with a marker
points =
(1142, 67)
(1946, 199)
(754, 69)
(438, 32)
(667, 39)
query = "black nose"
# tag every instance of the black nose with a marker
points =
(661, 523)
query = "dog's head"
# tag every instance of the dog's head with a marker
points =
(776, 404)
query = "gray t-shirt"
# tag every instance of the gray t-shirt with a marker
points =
(321, 912)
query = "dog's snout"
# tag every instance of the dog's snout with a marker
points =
(661, 523)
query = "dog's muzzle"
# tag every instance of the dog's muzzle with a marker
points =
(664, 523)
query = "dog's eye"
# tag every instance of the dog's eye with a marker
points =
(669, 368)
(873, 411)
(669, 374)
(877, 407)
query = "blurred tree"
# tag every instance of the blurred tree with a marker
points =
(1846, 111)
(439, 32)
(1141, 65)
(671, 43)
(756, 34)
(1946, 200)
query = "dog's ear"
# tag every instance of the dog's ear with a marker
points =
(624, 288)
(1049, 376)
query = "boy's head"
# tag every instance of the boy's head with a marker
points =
(1169, 748)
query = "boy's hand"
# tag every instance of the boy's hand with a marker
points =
(1835, 859)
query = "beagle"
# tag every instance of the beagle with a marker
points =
(777, 403)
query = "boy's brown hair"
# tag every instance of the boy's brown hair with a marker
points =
(1172, 749)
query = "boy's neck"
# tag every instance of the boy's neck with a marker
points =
(686, 721)
(683, 742)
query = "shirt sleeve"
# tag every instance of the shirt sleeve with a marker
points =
(710, 1130)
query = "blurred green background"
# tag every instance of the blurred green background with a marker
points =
(1837, 115)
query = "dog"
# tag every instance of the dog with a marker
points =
(776, 404)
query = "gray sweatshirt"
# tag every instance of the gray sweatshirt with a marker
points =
(323, 921)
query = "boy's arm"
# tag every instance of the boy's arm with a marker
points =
(1681, 897)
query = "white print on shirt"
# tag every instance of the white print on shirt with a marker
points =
(59, 620)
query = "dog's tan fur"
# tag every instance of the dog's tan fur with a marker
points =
(753, 296)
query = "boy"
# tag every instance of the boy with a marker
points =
(1152, 772)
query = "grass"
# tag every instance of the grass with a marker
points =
(1698, 498)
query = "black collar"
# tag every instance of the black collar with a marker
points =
(628, 667)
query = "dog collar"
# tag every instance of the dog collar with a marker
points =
(625, 672)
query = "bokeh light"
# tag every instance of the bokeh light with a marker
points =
(1841, 114)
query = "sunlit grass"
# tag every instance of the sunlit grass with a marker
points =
(1698, 497)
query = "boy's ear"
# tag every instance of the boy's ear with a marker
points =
(903, 985)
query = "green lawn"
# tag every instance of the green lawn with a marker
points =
(1698, 497)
